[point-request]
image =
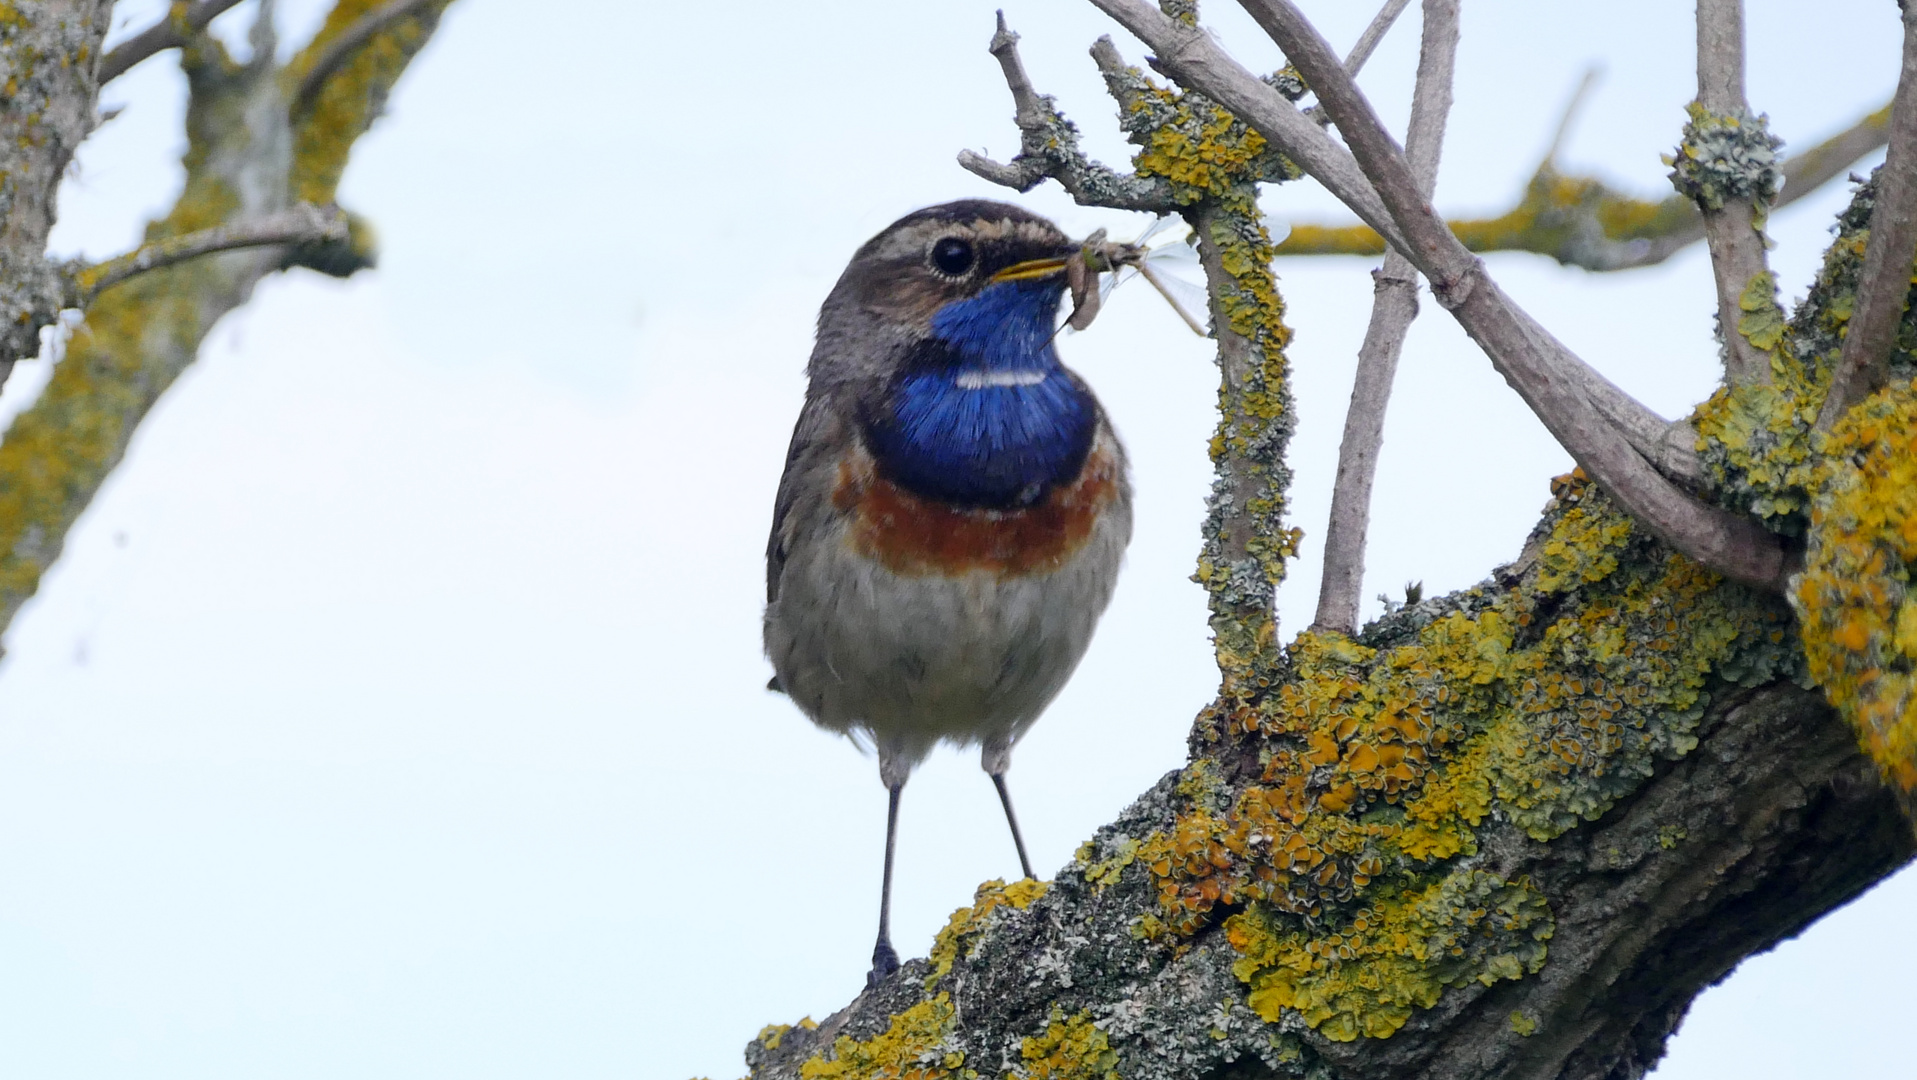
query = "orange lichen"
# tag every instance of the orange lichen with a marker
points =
(1858, 611)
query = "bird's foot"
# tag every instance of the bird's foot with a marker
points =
(885, 960)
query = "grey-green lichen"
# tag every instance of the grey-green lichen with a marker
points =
(1756, 440)
(1214, 165)
(1726, 157)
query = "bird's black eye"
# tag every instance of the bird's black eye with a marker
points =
(952, 256)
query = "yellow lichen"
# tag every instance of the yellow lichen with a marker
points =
(1549, 700)
(910, 1048)
(1854, 600)
(1068, 1049)
(967, 923)
(1365, 975)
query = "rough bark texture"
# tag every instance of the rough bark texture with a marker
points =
(48, 52)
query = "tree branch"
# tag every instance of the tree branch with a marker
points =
(180, 26)
(1579, 221)
(1368, 41)
(301, 224)
(338, 49)
(1725, 164)
(139, 337)
(1207, 68)
(1048, 147)
(1550, 378)
(48, 109)
(1394, 306)
(1864, 365)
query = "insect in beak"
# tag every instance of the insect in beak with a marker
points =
(1095, 256)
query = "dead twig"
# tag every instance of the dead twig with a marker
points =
(301, 224)
(1048, 147)
(1864, 365)
(1394, 306)
(178, 28)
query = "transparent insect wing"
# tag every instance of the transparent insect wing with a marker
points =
(1170, 265)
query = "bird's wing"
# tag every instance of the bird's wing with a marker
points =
(817, 440)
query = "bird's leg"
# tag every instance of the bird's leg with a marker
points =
(995, 757)
(885, 959)
(1005, 797)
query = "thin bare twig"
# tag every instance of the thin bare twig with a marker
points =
(1538, 367)
(1394, 306)
(1730, 229)
(1864, 365)
(1368, 41)
(175, 30)
(1571, 109)
(1048, 147)
(341, 49)
(300, 224)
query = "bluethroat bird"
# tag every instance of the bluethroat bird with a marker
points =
(955, 503)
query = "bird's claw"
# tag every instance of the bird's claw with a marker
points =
(885, 960)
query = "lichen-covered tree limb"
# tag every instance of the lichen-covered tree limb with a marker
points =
(1506, 834)
(1580, 221)
(1864, 365)
(249, 165)
(1394, 306)
(47, 55)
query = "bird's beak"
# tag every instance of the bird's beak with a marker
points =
(1031, 270)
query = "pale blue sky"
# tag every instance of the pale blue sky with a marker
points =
(396, 710)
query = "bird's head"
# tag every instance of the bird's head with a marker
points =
(979, 282)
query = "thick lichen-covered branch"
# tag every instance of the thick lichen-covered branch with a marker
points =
(245, 164)
(1500, 833)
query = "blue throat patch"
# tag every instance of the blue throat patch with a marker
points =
(983, 414)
